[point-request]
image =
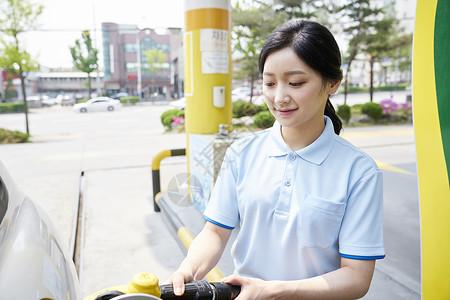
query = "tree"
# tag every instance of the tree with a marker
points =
(401, 52)
(360, 19)
(296, 9)
(316, 10)
(156, 60)
(85, 57)
(254, 20)
(379, 45)
(17, 17)
(251, 26)
(10, 91)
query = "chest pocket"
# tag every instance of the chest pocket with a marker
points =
(320, 220)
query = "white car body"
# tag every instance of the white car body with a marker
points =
(98, 104)
(33, 263)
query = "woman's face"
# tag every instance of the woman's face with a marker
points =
(294, 93)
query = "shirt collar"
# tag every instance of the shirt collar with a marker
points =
(314, 153)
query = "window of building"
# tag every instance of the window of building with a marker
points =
(130, 67)
(130, 48)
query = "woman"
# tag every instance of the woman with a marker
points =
(309, 204)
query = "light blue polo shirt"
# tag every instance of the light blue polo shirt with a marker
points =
(299, 212)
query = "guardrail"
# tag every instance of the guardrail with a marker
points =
(160, 205)
(156, 162)
(183, 233)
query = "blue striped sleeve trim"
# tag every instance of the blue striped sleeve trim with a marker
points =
(362, 257)
(217, 223)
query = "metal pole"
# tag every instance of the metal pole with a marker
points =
(95, 45)
(138, 60)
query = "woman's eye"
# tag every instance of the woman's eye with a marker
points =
(269, 84)
(296, 83)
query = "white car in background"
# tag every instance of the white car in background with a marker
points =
(98, 104)
(179, 103)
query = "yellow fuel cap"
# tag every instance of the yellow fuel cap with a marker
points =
(145, 282)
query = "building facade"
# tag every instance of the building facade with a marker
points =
(138, 61)
(60, 81)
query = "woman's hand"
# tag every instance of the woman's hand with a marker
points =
(251, 288)
(178, 279)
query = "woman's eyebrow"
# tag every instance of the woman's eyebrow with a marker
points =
(295, 72)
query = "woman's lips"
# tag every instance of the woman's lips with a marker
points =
(285, 111)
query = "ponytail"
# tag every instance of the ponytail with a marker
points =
(331, 113)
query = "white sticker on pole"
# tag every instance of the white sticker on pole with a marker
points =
(214, 50)
(213, 40)
(214, 63)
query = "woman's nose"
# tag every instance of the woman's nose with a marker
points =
(281, 97)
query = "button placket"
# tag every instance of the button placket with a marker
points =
(284, 200)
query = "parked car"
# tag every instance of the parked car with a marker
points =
(34, 101)
(65, 100)
(119, 95)
(33, 263)
(98, 104)
(243, 93)
(179, 104)
(47, 101)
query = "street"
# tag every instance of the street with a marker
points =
(361, 98)
(124, 236)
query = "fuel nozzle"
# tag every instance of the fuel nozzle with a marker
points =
(202, 290)
(145, 286)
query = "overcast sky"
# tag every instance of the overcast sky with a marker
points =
(62, 22)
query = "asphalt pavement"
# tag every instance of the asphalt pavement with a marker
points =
(122, 233)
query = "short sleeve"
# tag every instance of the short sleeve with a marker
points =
(361, 234)
(222, 207)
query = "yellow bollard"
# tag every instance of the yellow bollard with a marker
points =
(207, 85)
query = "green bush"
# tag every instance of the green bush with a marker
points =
(264, 119)
(168, 116)
(10, 94)
(366, 89)
(263, 107)
(238, 108)
(11, 107)
(132, 99)
(344, 112)
(242, 108)
(10, 137)
(373, 110)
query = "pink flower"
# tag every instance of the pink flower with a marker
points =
(407, 106)
(389, 105)
(178, 120)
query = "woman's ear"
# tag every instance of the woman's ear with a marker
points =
(334, 85)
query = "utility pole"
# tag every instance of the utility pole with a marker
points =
(2, 94)
(95, 45)
(138, 60)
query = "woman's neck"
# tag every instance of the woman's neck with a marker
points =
(299, 137)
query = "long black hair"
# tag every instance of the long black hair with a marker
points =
(315, 45)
